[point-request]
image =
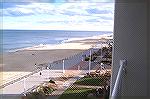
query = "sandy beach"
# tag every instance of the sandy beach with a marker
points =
(25, 60)
(22, 61)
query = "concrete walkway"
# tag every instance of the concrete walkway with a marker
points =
(36, 79)
(31, 81)
(62, 87)
(87, 86)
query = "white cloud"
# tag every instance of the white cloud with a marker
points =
(59, 15)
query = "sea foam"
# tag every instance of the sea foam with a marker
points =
(69, 43)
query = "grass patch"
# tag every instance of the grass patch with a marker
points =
(76, 93)
(91, 81)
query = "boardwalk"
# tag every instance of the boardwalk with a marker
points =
(33, 80)
(14, 90)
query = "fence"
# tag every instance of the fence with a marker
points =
(97, 56)
(90, 59)
(72, 61)
(18, 79)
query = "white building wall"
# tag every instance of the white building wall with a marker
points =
(132, 42)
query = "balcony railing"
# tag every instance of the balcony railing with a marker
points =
(118, 83)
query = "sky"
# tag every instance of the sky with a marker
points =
(88, 15)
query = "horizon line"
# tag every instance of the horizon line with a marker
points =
(55, 30)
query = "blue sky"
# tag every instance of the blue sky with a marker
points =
(92, 15)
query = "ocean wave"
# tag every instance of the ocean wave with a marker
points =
(67, 44)
(107, 36)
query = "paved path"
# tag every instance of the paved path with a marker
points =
(62, 87)
(65, 85)
(87, 86)
(33, 80)
(36, 79)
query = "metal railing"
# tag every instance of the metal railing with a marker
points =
(118, 83)
(75, 62)
(18, 79)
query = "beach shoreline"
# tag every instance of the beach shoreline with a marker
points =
(82, 43)
(26, 59)
(23, 60)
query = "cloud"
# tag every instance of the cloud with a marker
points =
(97, 11)
(70, 9)
(107, 17)
(92, 20)
(29, 9)
(17, 12)
(60, 1)
(58, 15)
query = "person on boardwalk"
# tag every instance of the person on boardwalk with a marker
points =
(40, 73)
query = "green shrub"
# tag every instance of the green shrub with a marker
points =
(87, 59)
(35, 95)
(51, 81)
(45, 90)
(106, 62)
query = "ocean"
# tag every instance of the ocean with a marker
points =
(18, 39)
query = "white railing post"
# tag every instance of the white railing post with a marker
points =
(101, 49)
(90, 60)
(63, 65)
(78, 67)
(117, 86)
(49, 71)
(24, 85)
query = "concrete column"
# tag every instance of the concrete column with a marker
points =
(148, 46)
(131, 42)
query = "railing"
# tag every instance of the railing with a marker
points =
(29, 90)
(18, 79)
(117, 87)
(69, 63)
